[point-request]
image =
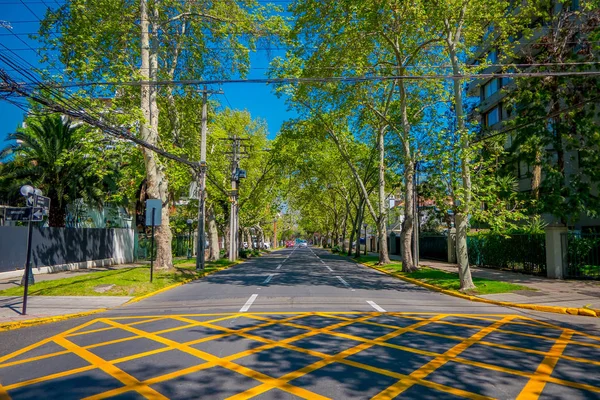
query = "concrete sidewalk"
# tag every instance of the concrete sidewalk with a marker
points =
(548, 292)
(53, 306)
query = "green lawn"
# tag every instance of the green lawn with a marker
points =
(446, 280)
(133, 281)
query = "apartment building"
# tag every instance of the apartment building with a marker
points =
(492, 112)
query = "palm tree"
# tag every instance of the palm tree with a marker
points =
(50, 153)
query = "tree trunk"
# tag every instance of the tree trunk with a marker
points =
(57, 217)
(536, 175)
(406, 235)
(213, 235)
(384, 257)
(359, 219)
(157, 185)
(462, 215)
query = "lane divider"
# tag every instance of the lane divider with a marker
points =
(249, 302)
(279, 266)
(375, 306)
(329, 268)
(269, 278)
(344, 282)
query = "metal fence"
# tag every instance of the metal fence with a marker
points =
(581, 255)
(180, 246)
(433, 247)
(519, 252)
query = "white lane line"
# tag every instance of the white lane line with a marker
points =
(329, 268)
(269, 278)
(375, 306)
(246, 306)
(279, 266)
(344, 282)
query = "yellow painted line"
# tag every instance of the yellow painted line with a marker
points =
(326, 361)
(272, 382)
(110, 328)
(3, 393)
(533, 389)
(421, 373)
(46, 378)
(110, 369)
(40, 343)
(46, 320)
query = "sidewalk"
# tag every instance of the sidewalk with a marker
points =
(548, 292)
(52, 306)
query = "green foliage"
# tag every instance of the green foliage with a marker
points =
(67, 161)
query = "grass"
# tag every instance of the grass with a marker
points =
(134, 281)
(446, 280)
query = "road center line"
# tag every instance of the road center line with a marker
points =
(279, 266)
(246, 306)
(269, 278)
(344, 282)
(329, 268)
(375, 306)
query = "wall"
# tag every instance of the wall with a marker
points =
(58, 246)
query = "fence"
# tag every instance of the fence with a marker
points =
(180, 245)
(581, 255)
(433, 247)
(519, 252)
(59, 246)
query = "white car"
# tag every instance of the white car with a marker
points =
(303, 244)
(266, 245)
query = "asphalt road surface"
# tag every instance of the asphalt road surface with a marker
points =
(302, 323)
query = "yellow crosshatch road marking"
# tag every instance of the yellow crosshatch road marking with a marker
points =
(352, 328)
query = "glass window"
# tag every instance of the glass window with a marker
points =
(492, 117)
(491, 87)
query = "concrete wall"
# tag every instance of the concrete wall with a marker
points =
(64, 246)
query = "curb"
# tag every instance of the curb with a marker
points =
(588, 312)
(46, 320)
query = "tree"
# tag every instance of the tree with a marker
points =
(555, 117)
(149, 41)
(64, 159)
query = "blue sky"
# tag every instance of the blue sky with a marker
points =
(258, 99)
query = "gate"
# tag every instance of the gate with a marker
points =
(581, 255)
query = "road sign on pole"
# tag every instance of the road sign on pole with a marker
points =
(37, 214)
(18, 213)
(43, 202)
(153, 204)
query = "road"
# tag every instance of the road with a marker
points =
(303, 323)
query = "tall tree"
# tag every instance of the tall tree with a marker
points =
(112, 40)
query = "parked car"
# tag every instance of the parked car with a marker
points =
(245, 245)
(266, 245)
(289, 243)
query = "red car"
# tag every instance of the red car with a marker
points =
(290, 243)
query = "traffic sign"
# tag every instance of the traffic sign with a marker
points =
(156, 205)
(18, 214)
(44, 203)
(38, 214)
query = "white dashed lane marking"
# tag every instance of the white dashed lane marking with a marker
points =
(375, 306)
(269, 278)
(246, 306)
(344, 282)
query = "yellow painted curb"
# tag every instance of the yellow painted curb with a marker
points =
(553, 309)
(167, 288)
(46, 320)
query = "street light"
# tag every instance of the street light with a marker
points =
(190, 222)
(31, 194)
(365, 226)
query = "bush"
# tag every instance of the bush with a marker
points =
(255, 253)
(245, 253)
(336, 249)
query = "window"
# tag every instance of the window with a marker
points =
(524, 169)
(490, 88)
(492, 117)
(492, 57)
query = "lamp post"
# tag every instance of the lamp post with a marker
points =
(365, 226)
(189, 253)
(31, 194)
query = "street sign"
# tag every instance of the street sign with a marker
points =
(44, 203)
(38, 214)
(18, 214)
(156, 205)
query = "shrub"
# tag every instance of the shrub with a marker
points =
(335, 249)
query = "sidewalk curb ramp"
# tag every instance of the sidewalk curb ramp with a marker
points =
(588, 312)
(58, 318)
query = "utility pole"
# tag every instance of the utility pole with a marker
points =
(201, 242)
(236, 174)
